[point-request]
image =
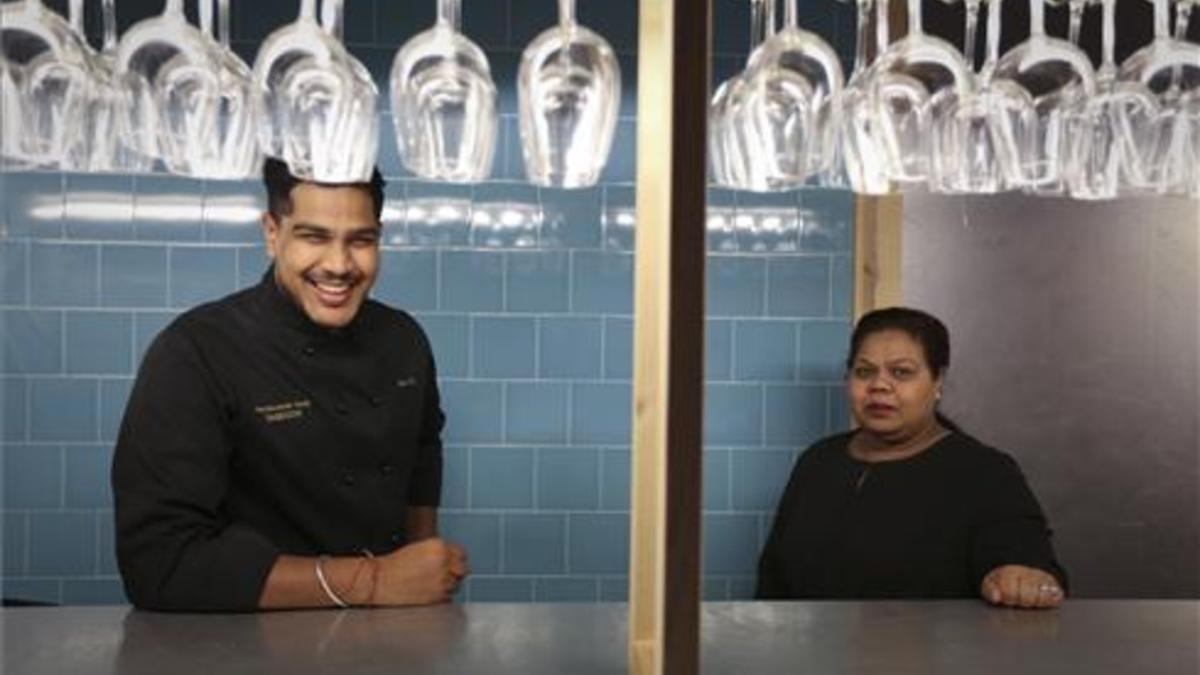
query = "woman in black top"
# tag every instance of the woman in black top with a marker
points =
(907, 505)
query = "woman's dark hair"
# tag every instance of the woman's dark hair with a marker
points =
(279, 182)
(926, 329)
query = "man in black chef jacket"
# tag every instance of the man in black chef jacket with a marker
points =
(281, 446)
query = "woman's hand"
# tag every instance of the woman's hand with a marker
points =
(1020, 586)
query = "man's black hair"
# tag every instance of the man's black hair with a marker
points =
(279, 182)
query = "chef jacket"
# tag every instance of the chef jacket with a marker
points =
(252, 432)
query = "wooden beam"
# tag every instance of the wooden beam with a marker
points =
(877, 249)
(664, 585)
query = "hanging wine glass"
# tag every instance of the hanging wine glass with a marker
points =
(444, 102)
(315, 103)
(49, 67)
(569, 91)
(1170, 68)
(916, 80)
(728, 158)
(1189, 104)
(862, 147)
(795, 83)
(1121, 117)
(1059, 78)
(11, 113)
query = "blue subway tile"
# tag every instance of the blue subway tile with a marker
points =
(15, 406)
(32, 476)
(231, 210)
(620, 217)
(614, 589)
(568, 479)
(14, 537)
(479, 534)
(114, 393)
(50, 286)
(618, 348)
(733, 414)
(718, 350)
(33, 204)
(168, 208)
(798, 286)
(449, 337)
(759, 477)
(438, 214)
(600, 413)
(503, 347)
(63, 410)
(741, 589)
(456, 474)
(133, 276)
(716, 495)
(603, 282)
(621, 166)
(93, 592)
(730, 544)
(572, 217)
(473, 411)
(87, 476)
(199, 275)
(32, 590)
(505, 215)
(62, 544)
(407, 279)
(472, 281)
(823, 346)
(146, 327)
(389, 161)
(99, 342)
(486, 23)
(252, 264)
(107, 543)
(827, 221)
(536, 412)
(766, 351)
(537, 281)
(13, 269)
(505, 478)
(614, 480)
(501, 589)
(98, 207)
(714, 589)
(510, 162)
(735, 286)
(505, 63)
(534, 544)
(839, 410)
(570, 347)
(768, 222)
(599, 543)
(841, 285)
(33, 341)
(795, 414)
(565, 589)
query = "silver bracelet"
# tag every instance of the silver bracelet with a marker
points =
(325, 584)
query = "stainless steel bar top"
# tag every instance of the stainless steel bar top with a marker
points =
(1114, 637)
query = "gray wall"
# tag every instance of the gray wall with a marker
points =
(1074, 331)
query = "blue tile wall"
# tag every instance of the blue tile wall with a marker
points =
(531, 325)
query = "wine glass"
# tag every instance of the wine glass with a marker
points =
(862, 148)
(444, 102)
(728, 159)
(794, 94)
(49, 67)
(569, 91)
(1059, 79)
(315, 103)
(915, 81)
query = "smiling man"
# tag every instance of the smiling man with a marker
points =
(282, 446)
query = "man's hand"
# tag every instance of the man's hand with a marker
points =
(426, 572)
(1020, 586)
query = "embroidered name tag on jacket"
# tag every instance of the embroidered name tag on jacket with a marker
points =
(281, 412)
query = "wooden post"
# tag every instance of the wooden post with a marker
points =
(877, 242)
(664, 584)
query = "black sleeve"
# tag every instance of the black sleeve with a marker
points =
(1011, 528)
(772, 581)
(426, 486)
(170, 474)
